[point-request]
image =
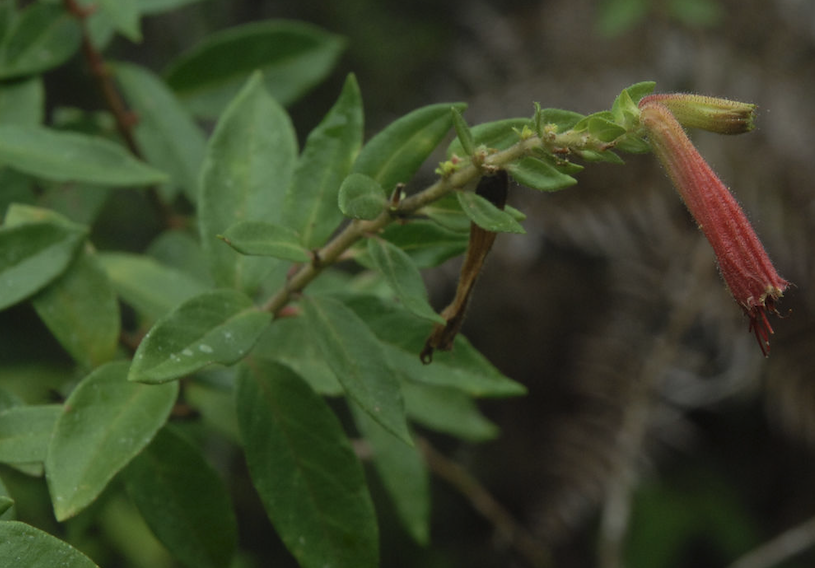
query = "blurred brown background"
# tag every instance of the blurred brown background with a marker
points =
(655, 434)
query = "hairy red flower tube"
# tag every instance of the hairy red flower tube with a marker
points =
(743, 262)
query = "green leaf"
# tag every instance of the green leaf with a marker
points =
(639, 90)
(25, 432)
(427, 243)
(293, 56)
(42, 37)
(22, 102)
(182, 250)
(302, 465)
(449, 411)
(33, 548)
(486, 215)
(463, 133)
(310, 206)
(447, 213)
(80, 307)
(125, 17)
(290, 341)
(6, 506)
(32, 255)
(361, 197)
(153, 289)
(248, 166)
(165, 133)
(265, 239)
(395, 154)
(403, 336)
(564, 120)
(82, 311)
(183, 500)
(403, 278)
(72, 157)
(538, 174)
(404, 475)
(499, 135)
(10, 512)
(356, 357)
(214, 327)
(605, 130)
(104, 424)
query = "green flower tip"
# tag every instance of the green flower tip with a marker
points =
(722, 116)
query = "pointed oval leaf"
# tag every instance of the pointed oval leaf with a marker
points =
(563, 119)
(404, 475)
(403, 278)
(166, 133)
(403, 337)
(448, 410)
(289, 341)
(30, 547)
(22, 102)
(293, 56)
(72, 157)
(302, 465)
(463, 133)
(183, 500)
(125, 17)
(537, 174)
(265, 239)
(215, 327)
(500, 135)
(427, 243)
(32, 255)
(396, 153)
(310, 205)
(358, 361)
(150, 287)
(361, 197)
(486, 215)
(248, 166)
(105, 423)
(81, 310)
(42, 37)
(25, 432)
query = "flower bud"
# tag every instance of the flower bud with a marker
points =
(722, 116)
(743, 262)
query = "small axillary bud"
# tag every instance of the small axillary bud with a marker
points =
(744, 264)
(721, 116)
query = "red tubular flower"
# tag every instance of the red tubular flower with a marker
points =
(743, 262)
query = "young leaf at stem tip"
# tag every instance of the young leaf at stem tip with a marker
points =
(465, 136)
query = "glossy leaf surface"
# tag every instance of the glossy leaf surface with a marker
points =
(302, 465)
(106, 421)
(214, 327)
(183, 500)
(22, 101)
(248, 166)
(358, 361)
(293, 57)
